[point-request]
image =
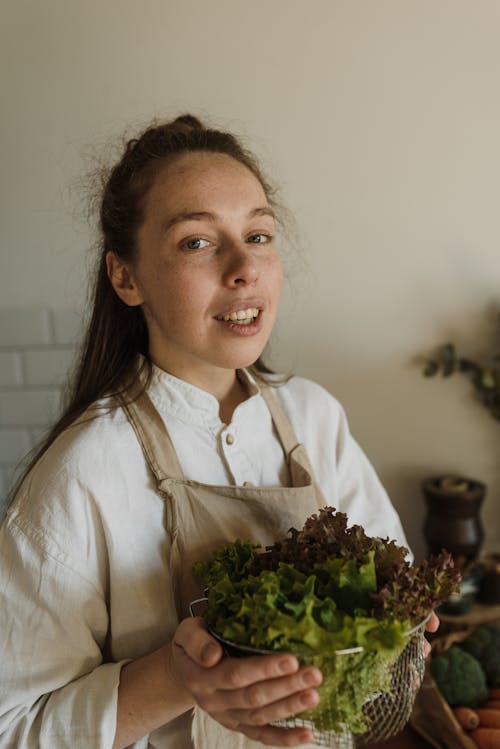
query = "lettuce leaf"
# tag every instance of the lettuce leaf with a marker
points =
(326, 588)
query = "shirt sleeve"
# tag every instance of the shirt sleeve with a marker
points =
(55, 689)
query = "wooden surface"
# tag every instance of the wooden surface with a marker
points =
(407, 739)
(434, 720)
(479, 613)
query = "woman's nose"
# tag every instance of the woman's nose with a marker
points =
(241, 268)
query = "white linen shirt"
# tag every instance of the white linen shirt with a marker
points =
(81, 545)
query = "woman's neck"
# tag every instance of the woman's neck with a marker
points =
(228, 403)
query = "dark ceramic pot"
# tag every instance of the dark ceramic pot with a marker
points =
(453, 519)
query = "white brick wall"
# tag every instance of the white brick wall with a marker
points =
(66, 326)
(10, 368)
(25, 327)
(47, 366)
(14, 443)
(37, 347)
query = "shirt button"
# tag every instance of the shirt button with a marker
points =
(248, 484)
(229, 439)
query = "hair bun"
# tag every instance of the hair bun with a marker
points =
(187, 123)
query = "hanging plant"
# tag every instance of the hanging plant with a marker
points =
(484, 376)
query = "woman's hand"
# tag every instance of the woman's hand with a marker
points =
(244, 694)
(431, 626)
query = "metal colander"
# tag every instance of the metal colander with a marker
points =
(382, 710)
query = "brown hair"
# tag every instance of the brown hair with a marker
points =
(116, 333)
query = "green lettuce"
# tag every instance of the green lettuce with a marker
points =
(323, 589)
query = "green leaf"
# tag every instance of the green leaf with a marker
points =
(430, 369)
(488, 379)
(448, 352)
(448, 359)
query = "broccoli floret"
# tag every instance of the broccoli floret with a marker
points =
(460, 678)
(484, 645)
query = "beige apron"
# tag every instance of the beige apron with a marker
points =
(201, 517)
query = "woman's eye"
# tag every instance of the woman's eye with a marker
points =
(259, 238)
(195, 244)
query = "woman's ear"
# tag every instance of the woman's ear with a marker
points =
(122, 280)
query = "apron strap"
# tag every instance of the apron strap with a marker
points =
(284, 428)
(153, 437)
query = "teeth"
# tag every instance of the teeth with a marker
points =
(242, 314)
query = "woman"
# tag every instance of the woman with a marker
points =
(175, 440)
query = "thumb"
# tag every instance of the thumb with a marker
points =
(192, 636)
(211, 653)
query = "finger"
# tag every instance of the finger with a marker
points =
(285, 708)
(238, 673)
(427, 648)
(192, 637)
(267, 692)
(227, 685)
(433, 623)
(274, 736)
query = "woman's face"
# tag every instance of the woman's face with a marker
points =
(207, 272)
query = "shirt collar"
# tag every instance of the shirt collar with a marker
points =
(175, 397)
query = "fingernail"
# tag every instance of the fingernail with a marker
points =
(208, 652)
(309, 699)
(311, 677)
(287, 665)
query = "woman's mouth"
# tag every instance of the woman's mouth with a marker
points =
(241, 316)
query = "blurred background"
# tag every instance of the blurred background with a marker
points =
(380, 123)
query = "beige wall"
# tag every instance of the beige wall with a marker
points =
(381, 121)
